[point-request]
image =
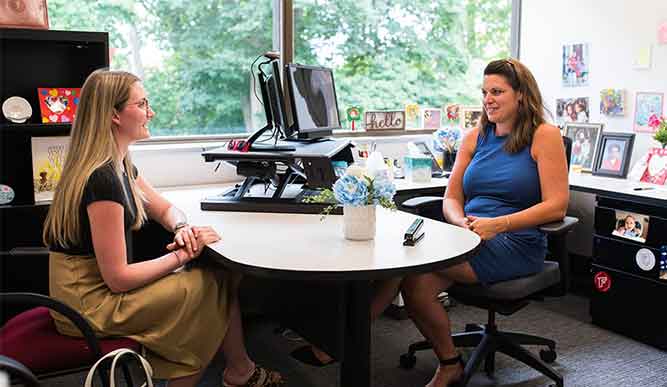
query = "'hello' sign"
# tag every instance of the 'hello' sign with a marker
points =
(387, 120)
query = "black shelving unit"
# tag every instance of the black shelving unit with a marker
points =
(30, 59)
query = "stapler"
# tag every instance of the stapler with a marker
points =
(412, 235)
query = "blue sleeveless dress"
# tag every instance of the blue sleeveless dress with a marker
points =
(498, 183)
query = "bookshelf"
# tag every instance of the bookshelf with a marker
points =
(30, 59)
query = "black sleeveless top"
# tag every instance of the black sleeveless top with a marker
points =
(103, 184)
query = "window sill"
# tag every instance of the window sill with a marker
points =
(204, 143)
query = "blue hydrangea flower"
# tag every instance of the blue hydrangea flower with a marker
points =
(351, 190)
(446, 138)
(383, 189)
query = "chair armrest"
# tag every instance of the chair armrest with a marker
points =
(34, 299)
(16, 369)
(560, 227)
(426, 206)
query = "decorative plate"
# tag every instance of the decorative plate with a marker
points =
(16, 109)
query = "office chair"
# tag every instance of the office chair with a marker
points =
(18, 372)
(506, 298)
(31, 338)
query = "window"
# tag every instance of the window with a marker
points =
(387, 53)
(194, 56)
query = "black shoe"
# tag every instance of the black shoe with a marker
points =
(305, 355)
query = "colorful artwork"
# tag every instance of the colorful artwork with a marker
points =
(48, 159)
(58, 105)
(646, 105)
(412, 116)
(656, 168)
(576, 62)
(572, 110)
(612, 102)
(470, 116)
(432, 118)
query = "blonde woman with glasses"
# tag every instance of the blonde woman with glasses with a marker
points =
(181, 317)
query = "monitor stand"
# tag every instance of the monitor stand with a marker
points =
(307, 140)
(272, 148)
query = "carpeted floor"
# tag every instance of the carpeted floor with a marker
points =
(587, 355)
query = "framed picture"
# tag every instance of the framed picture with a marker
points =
(412, 116)
(575, 66)
(48, 159)
(613, 154)
(612, 102)
(469, 116)
(585, 139)
(58, 104)
(646, 105)
(631, 225)
(572, 110)
(432, 118)
(656, 166)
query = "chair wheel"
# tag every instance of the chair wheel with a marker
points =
(408, 361)
(548, 355)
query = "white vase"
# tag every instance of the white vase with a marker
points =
(359, 222)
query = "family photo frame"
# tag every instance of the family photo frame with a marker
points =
(613, 154)
(585, 138)
(470, 116)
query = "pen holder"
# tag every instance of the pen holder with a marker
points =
(417, 169)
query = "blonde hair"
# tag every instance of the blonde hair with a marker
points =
(92, 145)
(531, 108)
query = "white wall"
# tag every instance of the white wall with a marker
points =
(615, 30)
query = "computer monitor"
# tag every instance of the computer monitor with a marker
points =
(313, 101)
(276, 98)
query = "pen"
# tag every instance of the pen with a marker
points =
(642, 188)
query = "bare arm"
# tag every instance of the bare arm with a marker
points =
(549, 153)
(106, 226)
(169, 216)
(452, 206)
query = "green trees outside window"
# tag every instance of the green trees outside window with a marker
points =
(195, 56)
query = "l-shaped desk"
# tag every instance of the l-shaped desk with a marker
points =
(304, 247)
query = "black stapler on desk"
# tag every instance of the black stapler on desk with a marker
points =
(412, 235)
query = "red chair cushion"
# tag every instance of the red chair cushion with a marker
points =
(32, 339)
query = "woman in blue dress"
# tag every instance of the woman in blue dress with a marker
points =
(510, 176)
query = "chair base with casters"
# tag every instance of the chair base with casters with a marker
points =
(506, 298)
(32, 339)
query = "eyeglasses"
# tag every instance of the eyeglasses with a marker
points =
(143, 104)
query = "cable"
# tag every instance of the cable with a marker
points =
(252, 75)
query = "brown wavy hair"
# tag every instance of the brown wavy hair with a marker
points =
(531, 112)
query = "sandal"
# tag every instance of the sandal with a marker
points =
(452, 361)
(260, 377)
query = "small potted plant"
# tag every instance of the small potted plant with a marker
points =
(359, 194)
(660, 127)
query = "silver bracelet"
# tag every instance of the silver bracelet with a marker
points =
(179, 225)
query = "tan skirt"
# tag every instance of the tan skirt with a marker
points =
(180, 319)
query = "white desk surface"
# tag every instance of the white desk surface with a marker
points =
(586, 182)
(302, 243)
